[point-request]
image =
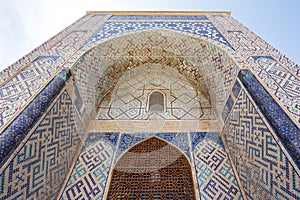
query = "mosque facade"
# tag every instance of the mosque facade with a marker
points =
(151, 105)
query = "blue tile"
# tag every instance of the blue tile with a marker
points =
(236, 88)
(18, 129)
(284, 127)
(196, 137)
(204, 29)
(227, 108)
(162, 17)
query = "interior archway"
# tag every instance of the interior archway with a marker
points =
(202, 62)
(152, 169)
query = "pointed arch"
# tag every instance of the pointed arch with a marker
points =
(152, 169)
(102, 72)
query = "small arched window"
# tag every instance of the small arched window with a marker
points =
(156, 102)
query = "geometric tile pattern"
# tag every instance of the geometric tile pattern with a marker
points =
(283, 126)
(158, 17)
(236, 88)
(215, 176)
(262, 165)
(19, 89)
(89, 176)
(244, 42)
(38, 169)
(85, 23)
(18, 129)
(179, 140)
(152, 169)
(204, 29)
(284, 85)
(264, 168)
(227, 108)
(196, 137)
(111, 59)
(129, 99)
(230, 101)
(279, 74)
(248, 44)
(21, 82)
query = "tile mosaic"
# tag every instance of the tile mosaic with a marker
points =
(39, 51)
(264, 168)
(129, 98)
(89, 176)
(279, 74)
(236, 88)
(282, 84)
(38, 169)
(227, 108)
(152, 169)
(216, 47)
(18, 129)
(127, 140)
(215, 176)
(23, 81)
(137, 49)
(196, 137)
(287, 131)
(19, 89)
(162, 17)
(204, 29)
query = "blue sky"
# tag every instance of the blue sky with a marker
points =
(25, 24)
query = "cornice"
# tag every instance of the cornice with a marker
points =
(155, 13)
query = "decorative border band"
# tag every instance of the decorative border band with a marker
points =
(284, 127)
(18, 129)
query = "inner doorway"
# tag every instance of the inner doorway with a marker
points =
(152, 169)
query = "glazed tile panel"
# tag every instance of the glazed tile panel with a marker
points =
(200, 29)
(152, 169)
(16, 92)
(262, 164)
(41, 50)
(220, 27)
(179, 140)
(89, 175)
(214, 173)
(284, 85)
(162, 17)
(39, 167)
(285, 129)
(218, 69)
(128, 100)
(247, 43)
(280, 76)
(18, 129)
(231, 99)
(17, 88)
(74, 38)
(215, 176)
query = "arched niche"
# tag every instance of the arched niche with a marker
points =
(152, 169)
(204, 63)
(178, 99)
(156, 101)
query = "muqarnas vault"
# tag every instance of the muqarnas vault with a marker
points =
(151, 105)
